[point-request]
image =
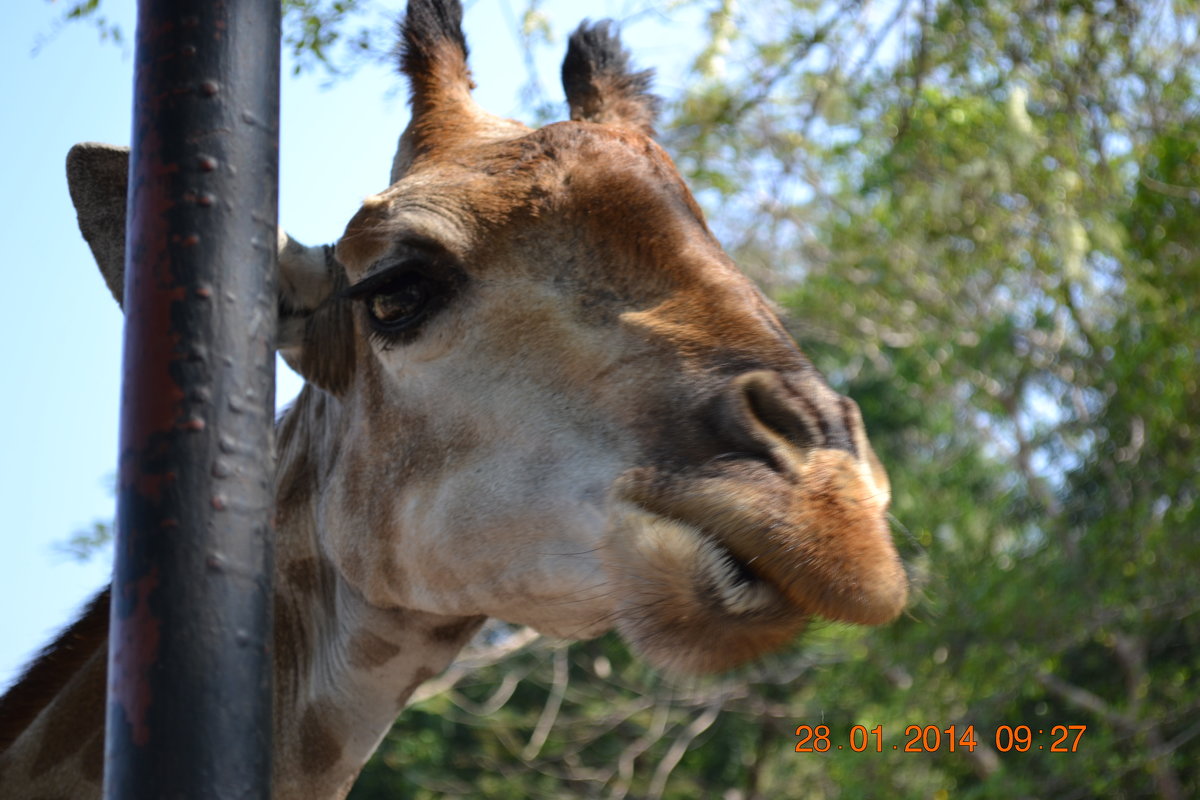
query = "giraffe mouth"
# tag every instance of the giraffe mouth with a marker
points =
(672, 519)
(719, 566)
(793, 546)
(730, 582)
(694, 563)
(689, 604)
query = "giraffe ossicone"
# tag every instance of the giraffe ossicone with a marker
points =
(537, 390)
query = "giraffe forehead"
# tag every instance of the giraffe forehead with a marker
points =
(425, 207)
(469, 199)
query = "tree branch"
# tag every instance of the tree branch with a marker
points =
(550, 710)
(679, 747)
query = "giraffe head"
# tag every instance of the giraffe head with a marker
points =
(562, 404)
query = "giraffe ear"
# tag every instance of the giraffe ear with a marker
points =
(600, 83)
(316, 327)
(315, 334)
(98, 179)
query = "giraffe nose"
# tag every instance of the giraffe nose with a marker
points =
(779, 416)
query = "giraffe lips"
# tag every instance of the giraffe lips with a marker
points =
(689, 604)
(733, 584)
(691, 565)
(680, 532)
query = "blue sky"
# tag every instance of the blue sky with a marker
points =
(60, 328)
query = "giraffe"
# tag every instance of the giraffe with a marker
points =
(537, 390)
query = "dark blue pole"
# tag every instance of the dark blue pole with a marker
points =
(189, 709)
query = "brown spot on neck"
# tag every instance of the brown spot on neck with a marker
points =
(368, 650)
(456, 632)
(320, 749)
(53, 669)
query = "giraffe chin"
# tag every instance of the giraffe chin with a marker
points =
(687, 604)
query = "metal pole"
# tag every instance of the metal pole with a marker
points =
(189, 709)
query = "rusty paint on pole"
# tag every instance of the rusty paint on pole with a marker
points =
(189, 709)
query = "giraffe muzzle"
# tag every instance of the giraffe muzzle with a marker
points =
(786, 522)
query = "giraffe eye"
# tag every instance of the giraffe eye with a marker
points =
(402, 304)
(401, 298)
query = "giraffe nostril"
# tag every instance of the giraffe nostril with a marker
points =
(754, 419)
(765, 411)
(768, 404)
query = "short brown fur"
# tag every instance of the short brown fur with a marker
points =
(320, 749)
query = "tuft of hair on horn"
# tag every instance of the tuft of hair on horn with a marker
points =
(431, 31)
(601, 84)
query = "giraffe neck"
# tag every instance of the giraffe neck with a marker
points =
(343, 669)
(52, 744)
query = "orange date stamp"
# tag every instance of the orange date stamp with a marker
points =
(932, 739)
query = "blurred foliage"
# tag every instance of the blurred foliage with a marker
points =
(87, 12)
(94, 541)
(88, 543)
(983, 218)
